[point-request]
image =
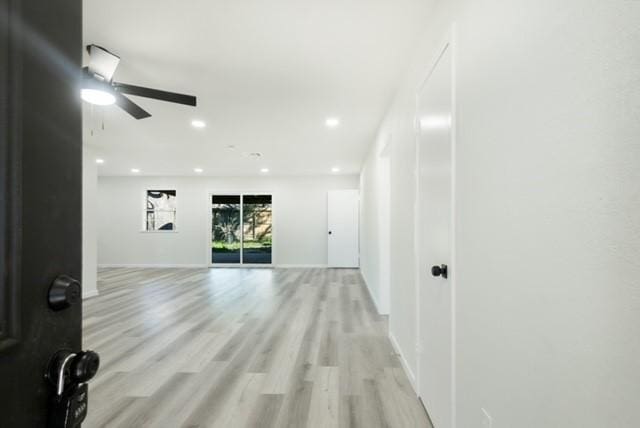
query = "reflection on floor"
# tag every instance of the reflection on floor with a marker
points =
(243, 348)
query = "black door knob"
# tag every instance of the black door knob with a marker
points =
(84, 366)
(66, 368)
(439, 271)
(64, 292)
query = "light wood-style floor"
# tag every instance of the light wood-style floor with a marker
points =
(243, 348)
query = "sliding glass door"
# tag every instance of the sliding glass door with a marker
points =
(256, 226)
(241, 229)
(225, 229)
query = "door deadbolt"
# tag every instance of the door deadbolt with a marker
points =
(64, 292)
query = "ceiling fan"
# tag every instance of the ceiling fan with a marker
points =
(98, 86)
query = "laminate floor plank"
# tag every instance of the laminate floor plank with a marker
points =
(284, 348)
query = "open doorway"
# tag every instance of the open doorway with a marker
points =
(241, 229)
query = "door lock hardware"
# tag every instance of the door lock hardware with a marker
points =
(69, 373)
(64, 292)
(441, 270)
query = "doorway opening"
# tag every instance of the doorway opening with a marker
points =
(241, 229)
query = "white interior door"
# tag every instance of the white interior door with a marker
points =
(343, 217)
(434, 221)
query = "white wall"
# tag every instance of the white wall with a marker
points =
(548, 219)
(300, 218)
(375, 223)
(89, 223)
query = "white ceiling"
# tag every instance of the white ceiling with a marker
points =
(266, 73)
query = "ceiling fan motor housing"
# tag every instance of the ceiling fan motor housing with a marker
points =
(98, 77)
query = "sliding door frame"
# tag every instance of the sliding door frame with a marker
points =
(210, 234)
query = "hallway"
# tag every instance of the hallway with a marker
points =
(243, 347)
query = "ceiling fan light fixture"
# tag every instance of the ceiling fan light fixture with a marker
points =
(99, 88)
(97, 97)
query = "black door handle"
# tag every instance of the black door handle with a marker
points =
(84, 366)
(439, 271)
(69, 372)
(66, 367)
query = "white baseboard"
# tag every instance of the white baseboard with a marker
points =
(153, 265)
(145, 266)
(403, 361)
(288, 266)
(375, 301)
(89, 293)
(161, 265)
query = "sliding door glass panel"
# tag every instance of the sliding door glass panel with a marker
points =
(225, 229)
(256, 216)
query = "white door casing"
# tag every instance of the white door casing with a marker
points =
(342, 228)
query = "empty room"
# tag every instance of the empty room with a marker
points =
(301, 214)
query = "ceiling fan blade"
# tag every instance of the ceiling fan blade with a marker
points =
(102, 62)
(156, 94)
(130, 107)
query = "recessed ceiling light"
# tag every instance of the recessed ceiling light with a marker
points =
(335, 169)
(198, 123)
(254, 155)
(332, 122)
(99, 161)
(97, 97)
(135, 170)
(231, 147)
(264, 170)
(198, 170)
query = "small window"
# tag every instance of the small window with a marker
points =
(161, 210)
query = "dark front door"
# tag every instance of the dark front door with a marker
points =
(40, 197)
